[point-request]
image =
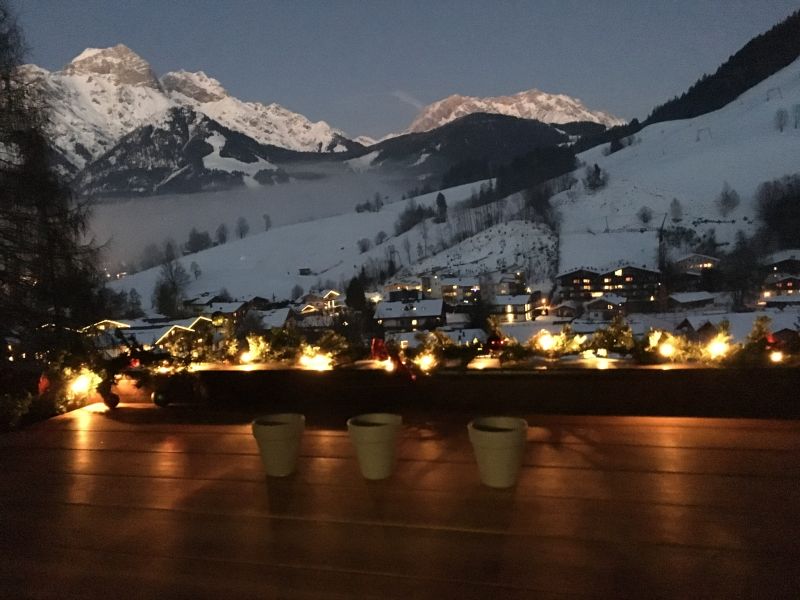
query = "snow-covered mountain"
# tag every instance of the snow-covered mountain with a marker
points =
(266, 123)
(105, 93)
(531, 104)
(182, 151)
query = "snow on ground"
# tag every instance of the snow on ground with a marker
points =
(690, 160)
(268, 263)
(515, 243)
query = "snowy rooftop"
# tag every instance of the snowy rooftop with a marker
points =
(790, 254)
(271, 319)
(610, 299)
(603, 252)
(688, 297)
(742, 323)
(469, 282)
(421, 308)
(518, 300)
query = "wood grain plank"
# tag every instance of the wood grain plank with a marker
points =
(521, 561)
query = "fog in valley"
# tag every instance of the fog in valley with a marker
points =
(126, 226)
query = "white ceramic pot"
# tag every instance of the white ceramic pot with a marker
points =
(374, 436)
(278, 437)
(499, 446)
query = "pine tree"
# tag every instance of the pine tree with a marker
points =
(47, 273)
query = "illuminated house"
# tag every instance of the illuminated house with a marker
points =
(579, 284)
(327, 302)
(606, 307)
(410, 316)
(780, 284)
(512, 309)
(695, 272)
(453, 290)
(407, 290)
(696, 262)
(638, 285)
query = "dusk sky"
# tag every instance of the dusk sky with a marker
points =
(366, 67)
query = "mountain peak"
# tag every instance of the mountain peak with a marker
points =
(529, 104)
(119, 62)
(197, 86)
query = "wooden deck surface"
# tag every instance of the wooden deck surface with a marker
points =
(173, 503)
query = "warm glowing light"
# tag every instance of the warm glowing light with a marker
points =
(484, 362)
(425, 362)
(81, 384)
(388, 365)
(545, 341)
(162, 370)
(667, 350)
(602, 364)
(776, 356)
(315, 361)
(247, 357)
(718, 347)
(602, 352)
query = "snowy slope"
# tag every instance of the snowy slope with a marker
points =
(689, 160)
(531, 104)
(269, 263)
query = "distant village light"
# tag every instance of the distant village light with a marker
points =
(776, 356)
(247, 357)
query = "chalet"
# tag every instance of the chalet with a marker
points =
(276, 318)
(327, 302)
(638, 285)
(579, 284)
(689, 300)
(780, 284)
(453, 290)
(512, 309)
(695, 272)
(182, 337)
(107, 337)
(696, 263)
(407, 290)
(410, 316)
(781, 302)
(785, 261)
(508, 283)
(606, 307)
(567, 310)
